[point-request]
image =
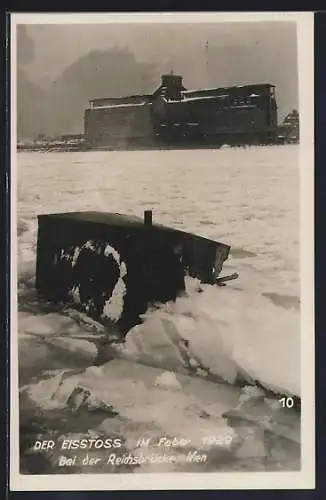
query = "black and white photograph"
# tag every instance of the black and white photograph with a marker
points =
(162, 308)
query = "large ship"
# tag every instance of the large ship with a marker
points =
(174, 116)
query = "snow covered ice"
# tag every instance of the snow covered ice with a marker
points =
(245, 197)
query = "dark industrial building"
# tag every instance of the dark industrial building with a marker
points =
(172, 115)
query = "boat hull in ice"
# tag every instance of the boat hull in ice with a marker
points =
(113, 267)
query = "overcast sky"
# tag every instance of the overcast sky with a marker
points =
(255, 52)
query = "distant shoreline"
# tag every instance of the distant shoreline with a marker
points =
(68, 149)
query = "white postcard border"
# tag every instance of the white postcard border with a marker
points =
(304, 479)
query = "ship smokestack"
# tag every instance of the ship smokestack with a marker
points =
(173, 86)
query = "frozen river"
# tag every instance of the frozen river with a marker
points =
(245, 197)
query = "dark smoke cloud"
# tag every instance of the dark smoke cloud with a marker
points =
(25, 46)
(62, 66)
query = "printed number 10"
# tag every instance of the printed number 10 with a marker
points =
(287, 402)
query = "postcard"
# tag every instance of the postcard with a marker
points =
(162, 251)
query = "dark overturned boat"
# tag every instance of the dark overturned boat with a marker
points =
(113, 266)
